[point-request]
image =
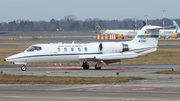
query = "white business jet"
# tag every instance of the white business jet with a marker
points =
(108, 52)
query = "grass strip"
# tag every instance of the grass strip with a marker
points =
(168, 72)
(25, 79)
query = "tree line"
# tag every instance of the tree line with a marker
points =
(69, 23)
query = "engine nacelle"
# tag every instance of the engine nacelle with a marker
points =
(174, 36)
(120, 36)
(130, 36)
(115, 47)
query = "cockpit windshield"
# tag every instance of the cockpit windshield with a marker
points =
(34, 48)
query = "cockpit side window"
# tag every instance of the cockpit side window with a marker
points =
(34, 48)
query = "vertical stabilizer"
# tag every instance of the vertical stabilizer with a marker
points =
(145, 41)
(97, 27)
(176, 25)
(147, 36)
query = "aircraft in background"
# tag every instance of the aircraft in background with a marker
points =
(166, 33)
(108, 52)
(163, 33)
(120, 33)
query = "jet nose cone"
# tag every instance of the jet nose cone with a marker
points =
(4, 59)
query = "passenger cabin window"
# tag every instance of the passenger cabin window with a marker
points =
(59, 49)
(65, 49)
(85, 49)
(79, 49)
(72, 49)
(34, 48)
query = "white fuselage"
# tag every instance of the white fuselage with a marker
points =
(167, 32)
(63, 52)
(51, 53)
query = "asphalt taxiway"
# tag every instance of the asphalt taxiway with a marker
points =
(139, 90)
(147, 71)
(157, 87)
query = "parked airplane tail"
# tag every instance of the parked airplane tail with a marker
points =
(176, 25)
(144, 23)
(97, 27)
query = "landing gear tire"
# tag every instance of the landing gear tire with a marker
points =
(98, 68)
(23, 68)
(85, 65)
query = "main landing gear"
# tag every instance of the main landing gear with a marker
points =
(85, 65)
(23, 68)
(97, 66)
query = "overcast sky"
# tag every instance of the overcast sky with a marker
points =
(35, 10)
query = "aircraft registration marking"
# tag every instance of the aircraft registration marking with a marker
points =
(142, 41)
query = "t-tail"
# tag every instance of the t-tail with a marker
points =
(148, 36)
(146, 40)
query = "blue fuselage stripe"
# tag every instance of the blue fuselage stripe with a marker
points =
(147, 36)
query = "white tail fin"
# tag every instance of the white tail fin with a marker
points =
(148, 36)
(146, 40)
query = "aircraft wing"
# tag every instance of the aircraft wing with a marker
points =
(92, 58)
(116, 56)
(109, 56)
(87, 58)
(111, 61)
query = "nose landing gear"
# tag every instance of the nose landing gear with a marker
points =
(23, 68)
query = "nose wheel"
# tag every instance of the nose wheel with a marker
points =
(23, 68)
